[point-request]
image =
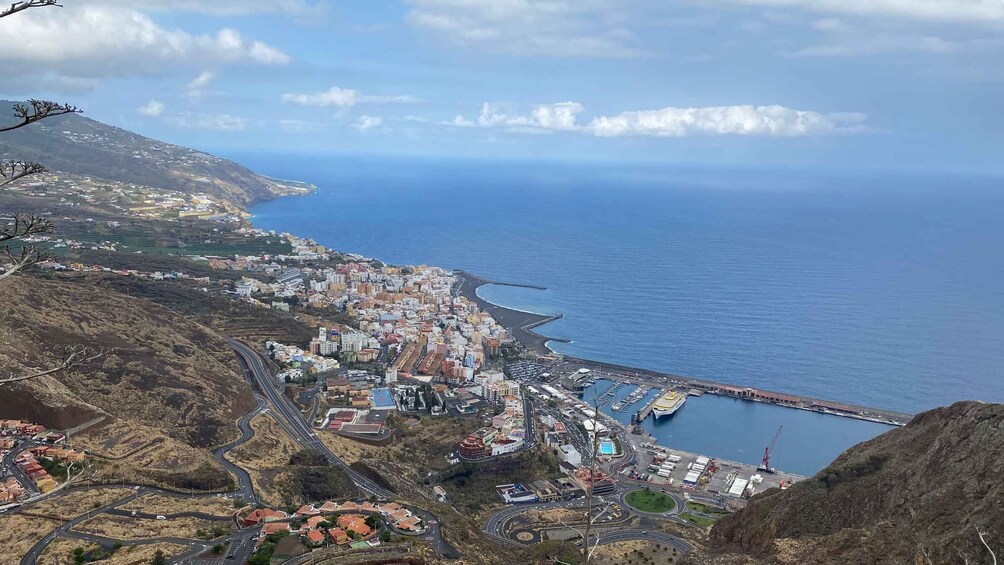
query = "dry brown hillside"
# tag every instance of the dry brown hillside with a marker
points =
(926, 488)
(167, 378)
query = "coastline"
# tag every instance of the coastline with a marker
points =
(522, 324)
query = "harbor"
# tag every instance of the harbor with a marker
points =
(522, 326)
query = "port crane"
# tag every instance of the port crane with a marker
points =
(765, 464)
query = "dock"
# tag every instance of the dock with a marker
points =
(644, 412)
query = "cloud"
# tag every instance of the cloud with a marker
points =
(774, 120)
(878, 44)
(829, 24)
(560, 28)
(152, 108)
(199, 83)
(214, 122)
(291, 8)
(368, 122)
(342, 98)
(98, 41)
(771, 120)
(981, 12)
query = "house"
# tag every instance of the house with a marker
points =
(314, 521)
(328, 507)
(307, 510)
(274, 528)
(263, 515)
(314, 538)
(354, 523)
(338, 536)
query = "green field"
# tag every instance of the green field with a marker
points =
(650, 501)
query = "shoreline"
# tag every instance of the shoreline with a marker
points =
(522, 324)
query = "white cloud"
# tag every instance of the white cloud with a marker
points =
(342, 98)
(945, 11)
(293, 8)
(368, 122)
(562, 28)
(199, 83)
(829, 24)
(771, 120)
(416, 119)
(94, 41)
(152, 108)
(881, 43)
(215, 122)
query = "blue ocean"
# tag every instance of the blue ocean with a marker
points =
(866, 287)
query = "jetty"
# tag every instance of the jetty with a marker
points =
(647, 409)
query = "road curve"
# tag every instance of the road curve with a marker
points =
(295, 425)
(245, 490)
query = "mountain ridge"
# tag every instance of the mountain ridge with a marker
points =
(920, 493)
(78, 145)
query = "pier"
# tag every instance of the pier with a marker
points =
(644, 412)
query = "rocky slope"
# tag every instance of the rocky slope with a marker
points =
(168, 382)
(918, 494)
(82, 146)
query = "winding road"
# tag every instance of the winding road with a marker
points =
(241, 542)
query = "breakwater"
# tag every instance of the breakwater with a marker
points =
(521, 325)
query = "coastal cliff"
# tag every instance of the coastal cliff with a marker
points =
(918, 494)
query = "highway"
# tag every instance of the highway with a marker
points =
(299, 430)
(302, 433)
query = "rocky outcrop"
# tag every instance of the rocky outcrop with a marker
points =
(921, 492)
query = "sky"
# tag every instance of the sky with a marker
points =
(890, 84)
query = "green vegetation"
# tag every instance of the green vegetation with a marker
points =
(54, 468)
(699, 521)
(264, 554)
(705, 509)
(472, 485)
(650, 501)
(158, 558)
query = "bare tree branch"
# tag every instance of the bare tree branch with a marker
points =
(70, 357)
(37, 110)
(27, 256)
(986, 545)
(11, 171)
(18, 6)
(24, 225)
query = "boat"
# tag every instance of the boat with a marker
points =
(668, 404)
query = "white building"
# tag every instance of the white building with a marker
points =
(570, 455)
(355, 341)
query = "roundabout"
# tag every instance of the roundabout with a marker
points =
(650, 501)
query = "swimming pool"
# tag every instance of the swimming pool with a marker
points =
(607, 448)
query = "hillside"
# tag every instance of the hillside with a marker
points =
(926, 487)
(168, 380)
(77, 145)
